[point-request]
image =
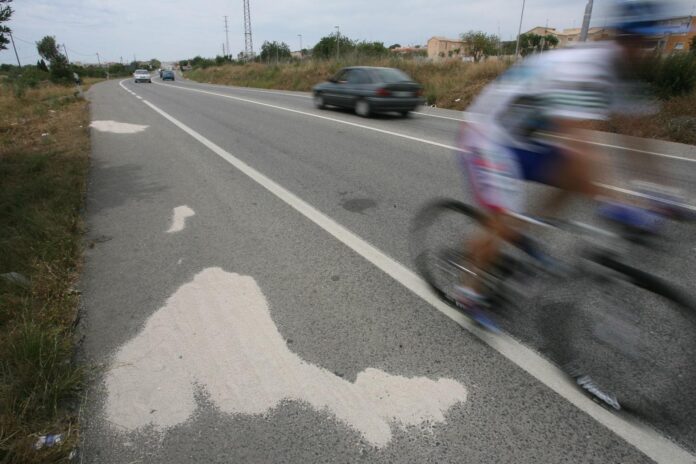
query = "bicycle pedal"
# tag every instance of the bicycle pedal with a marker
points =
(586, 383)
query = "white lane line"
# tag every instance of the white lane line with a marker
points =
(440, 117)
(619, 147)
(648, 197)
(375, 129)
(318, 116)
(588, 142)
(643, 438)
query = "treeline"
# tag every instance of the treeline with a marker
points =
(54, 66)
(333, 46)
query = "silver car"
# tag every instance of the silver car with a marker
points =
(142, 75)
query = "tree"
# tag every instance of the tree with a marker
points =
(59, 67)
(393, 46)
(155, 63)
(479, 44)
(5, 13)
(274, 51)
(530, 43)
(371, 48)
(41, 64)
(693, 45)
(326, 47)
(47, 48)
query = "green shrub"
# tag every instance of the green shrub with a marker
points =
(670, 76)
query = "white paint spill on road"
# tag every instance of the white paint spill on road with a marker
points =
(217, 332)
(115, 127)
(179, 218)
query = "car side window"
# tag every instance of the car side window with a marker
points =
(342, 76)
(358, 76)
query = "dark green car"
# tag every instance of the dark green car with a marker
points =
(370, 90)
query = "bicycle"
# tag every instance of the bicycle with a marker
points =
(626, 337)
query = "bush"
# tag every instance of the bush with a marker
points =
(670, 76)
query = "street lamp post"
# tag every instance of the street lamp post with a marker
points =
(519, 32)
(338, 41)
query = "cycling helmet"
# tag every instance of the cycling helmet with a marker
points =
(641, 18)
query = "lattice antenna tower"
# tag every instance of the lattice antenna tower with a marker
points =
(248, 44)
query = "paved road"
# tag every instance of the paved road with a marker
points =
(249, 298)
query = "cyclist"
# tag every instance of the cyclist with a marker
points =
(559, 92)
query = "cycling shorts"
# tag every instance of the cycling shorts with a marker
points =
(497, 172)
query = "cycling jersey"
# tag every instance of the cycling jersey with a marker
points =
(499, 144)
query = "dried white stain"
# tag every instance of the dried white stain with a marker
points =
(216, 332)
(179, 218)
(115, 127)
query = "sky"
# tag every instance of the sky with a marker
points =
(177, 29)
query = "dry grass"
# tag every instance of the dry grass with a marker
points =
(451, 84)
(675, 122)
(44, 147)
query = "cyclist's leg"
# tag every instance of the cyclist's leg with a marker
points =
(559, 166)
(494, 176)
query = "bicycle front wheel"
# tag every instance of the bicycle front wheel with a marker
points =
(628, 339)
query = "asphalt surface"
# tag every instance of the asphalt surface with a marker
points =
(333, 308)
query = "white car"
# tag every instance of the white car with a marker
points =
(142, 75)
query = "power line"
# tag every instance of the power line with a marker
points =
(25, 41)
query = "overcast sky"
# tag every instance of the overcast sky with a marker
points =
(177, 29)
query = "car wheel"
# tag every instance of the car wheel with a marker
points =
(319, 101)
(405, 114)
(362, 108)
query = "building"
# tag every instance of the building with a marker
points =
(571, 36)
(440, 48)
(679, 40)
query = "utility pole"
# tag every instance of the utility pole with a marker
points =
(227, 41)
(15, 49)
(223, 50)
(99, 60)
(66, 52)
(338, 42)
(586, 21)
(519, 31)
(300, 36)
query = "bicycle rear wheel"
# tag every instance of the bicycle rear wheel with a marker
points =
(627, 337)
(438, 246)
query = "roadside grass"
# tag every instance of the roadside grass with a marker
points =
(676, 122)
(449, 84)
(44, 148)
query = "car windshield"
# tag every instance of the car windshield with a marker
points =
(390, 75)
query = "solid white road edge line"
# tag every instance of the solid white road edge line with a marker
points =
(588, 142)
(640, 436)
(397, 134)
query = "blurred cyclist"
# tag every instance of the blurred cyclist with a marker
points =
(558, 91)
